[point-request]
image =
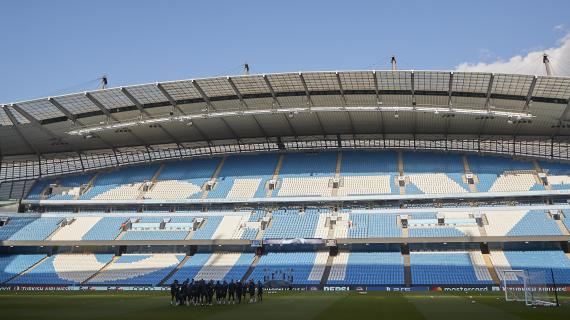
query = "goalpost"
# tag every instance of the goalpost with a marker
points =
(530, 287)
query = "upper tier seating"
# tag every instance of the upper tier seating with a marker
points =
(558, 174)
(295, 267)
(451, 268)
(183, 179)
(123, 184)
(309, 174)
(12, 265)
(244, 177)
(64, 269)
(306, 174)
(367, 268)
(432, 173)
(368, 163)
(138, 269)
(498, 174)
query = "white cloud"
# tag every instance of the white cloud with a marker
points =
(530, 63)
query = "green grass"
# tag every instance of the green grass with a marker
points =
(276, 306)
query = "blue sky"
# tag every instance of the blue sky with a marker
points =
(56, 47)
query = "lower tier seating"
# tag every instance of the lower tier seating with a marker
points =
(451, 268)
(367, 268)
(293, 267)
(66, 269)
(138, 269)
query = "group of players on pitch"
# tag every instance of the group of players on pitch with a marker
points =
(201, 293)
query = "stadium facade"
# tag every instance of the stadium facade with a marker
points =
(356, 179)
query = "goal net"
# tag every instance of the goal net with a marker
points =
(534, 288)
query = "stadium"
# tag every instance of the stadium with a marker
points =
(313, 181)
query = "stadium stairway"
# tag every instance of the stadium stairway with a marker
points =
(215, 176)
(466, 169)
(562, 227)
(155, 177)
(89, 185)
(337, 172)
(327, 270)
(173, 271)
(275, 174)
(54, 232)
(251, 268)
(491, 268)
(32, 267)
(115, 258)
(407, 269)
(121, 235)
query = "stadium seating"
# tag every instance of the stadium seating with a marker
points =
(520, 223)
(12, 265)
(244, 177)
(367, 268)
(294, 267)
(123, 184)
(218, 266)
(138, 269)
(373, 225)
(543, 263)
(77, 229)
(29, 228)
(451, 268)
(66, 269)
(108, 228)
(306, 174)
(292, 224)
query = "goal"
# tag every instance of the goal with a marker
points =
(530, 287)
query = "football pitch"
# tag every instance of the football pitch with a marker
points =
(276, 306)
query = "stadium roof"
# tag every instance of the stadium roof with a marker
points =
(289, 105)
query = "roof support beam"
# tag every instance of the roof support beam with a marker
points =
(66, 112)
(209, 106)
(110, 115)
(345, 103)
(527, 103)
(487, 103)
(276, 104)
(415, 114)
(169, 98)
(141, 109)
(450, 89)
(379, 103)
(19, 132)
(310, 102)
(449, 103)
(34, 121)
(489, 91)
(244, 105)
(177, 108)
